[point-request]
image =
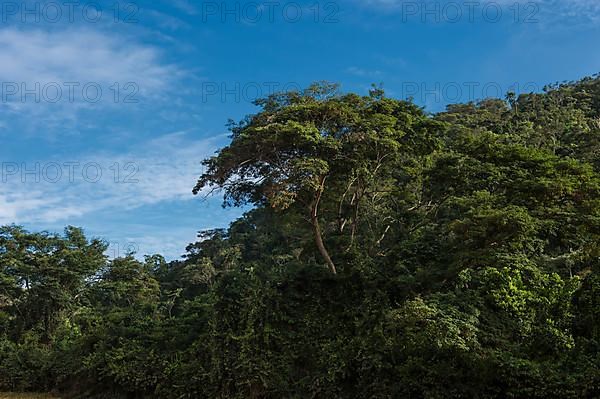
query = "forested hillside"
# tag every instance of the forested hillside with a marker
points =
(389, 253)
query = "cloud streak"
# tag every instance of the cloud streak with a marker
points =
(49, 79)
(54, 191)
(80, 55)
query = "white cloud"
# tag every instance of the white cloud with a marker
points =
(50, 78)
(186, 6)
(80, 55)
(362, 72)
(164, 169)
(152, 173)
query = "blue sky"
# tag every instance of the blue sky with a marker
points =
(107, 110)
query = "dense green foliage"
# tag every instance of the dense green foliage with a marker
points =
(388, 254)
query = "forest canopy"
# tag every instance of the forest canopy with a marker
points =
(388, 252)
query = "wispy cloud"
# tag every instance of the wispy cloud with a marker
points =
(363, 72)
(49, 77)
(164, 169)
(186, 6)
(80, 55)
